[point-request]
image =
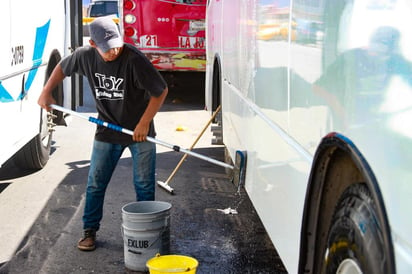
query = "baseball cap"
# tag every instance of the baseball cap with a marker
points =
(105, 33)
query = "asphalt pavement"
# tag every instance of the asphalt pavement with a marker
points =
(199, 226)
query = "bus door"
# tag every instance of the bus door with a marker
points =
(76, 40)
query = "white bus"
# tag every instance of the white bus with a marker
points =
(35, 36)
(319, 95)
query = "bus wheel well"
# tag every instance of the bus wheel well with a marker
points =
(53, 61)
(35, 154)
(216, 83)
(217, 130)
(339, 169)
(58, 92)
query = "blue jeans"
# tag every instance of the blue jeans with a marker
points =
(105, 157)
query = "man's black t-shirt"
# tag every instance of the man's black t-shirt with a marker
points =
(121, 88)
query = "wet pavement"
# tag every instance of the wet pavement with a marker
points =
(222, 243)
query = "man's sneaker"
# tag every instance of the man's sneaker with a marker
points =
(88, 242)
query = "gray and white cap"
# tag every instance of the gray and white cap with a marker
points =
(105, 33)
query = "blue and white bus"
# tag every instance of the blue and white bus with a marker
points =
(35, 36)
(319, 94)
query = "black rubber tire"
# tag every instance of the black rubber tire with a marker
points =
(35, 154)
(355, 234)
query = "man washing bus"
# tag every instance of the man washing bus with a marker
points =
(128, 91)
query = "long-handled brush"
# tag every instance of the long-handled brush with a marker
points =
(165, 185)
(238, 169)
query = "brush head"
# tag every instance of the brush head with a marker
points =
(166, 187)
(239, 170)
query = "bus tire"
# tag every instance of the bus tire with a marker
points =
(217, 130)
(355, 240)
(35, 154)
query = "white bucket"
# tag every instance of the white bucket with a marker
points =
(146, 232)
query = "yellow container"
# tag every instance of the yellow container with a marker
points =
(172, 264)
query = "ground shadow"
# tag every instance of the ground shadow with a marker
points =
(221, 243)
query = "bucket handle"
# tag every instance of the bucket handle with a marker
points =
(178, 270)
(165, 228)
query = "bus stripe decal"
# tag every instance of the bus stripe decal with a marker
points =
(41, 37)
(39, 45)
(4, 95)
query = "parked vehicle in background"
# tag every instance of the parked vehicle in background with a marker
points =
(30, 50)
(99, 8)
(319, 94)
(171, 33)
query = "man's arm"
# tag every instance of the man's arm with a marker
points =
(142, 128)
(46, 98)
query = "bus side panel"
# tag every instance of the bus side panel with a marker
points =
(213, 32)
(5, 49)
(6, 59)
(33, 34)
(280, 116)
(255, 115)
(329, 66)
(356, 80)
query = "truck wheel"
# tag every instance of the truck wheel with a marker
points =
(355, 241)
(35, 154)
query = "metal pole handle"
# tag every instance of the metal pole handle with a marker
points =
(148, 138)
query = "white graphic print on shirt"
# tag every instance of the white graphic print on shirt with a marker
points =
(108, 87)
